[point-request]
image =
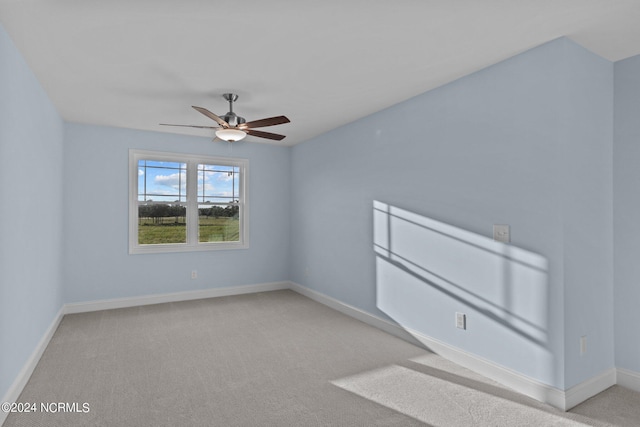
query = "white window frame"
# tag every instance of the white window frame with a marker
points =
(192, 162)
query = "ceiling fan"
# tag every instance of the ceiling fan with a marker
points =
(233, 127)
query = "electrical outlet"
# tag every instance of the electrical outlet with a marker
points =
(194, 274)
(461, 321)
(583, 345)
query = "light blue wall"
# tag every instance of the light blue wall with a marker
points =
(495, 147)
(587, 213)
(31, 193)
(97, 264)
(626, 161)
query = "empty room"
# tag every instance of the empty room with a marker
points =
(319, 213)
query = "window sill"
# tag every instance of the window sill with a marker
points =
(171, 248)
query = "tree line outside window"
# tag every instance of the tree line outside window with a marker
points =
(156, 212)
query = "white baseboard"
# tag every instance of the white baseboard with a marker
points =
(628, 379)
(23, 376)
(356, 313)
(589, 388)
(505, 376)
(108, 304)
(517, 382)
(553, 396)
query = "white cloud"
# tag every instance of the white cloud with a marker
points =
(174, 180)
(140, 172)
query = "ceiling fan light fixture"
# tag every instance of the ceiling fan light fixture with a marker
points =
(230, 135)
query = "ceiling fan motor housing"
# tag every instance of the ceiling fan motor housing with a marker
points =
(233, 119)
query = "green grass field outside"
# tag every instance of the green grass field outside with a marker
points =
(174, 230)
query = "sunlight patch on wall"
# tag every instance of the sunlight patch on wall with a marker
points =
(426, 271)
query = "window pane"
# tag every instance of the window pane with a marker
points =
(218, 223)
(161, 223)
(162, 181)
(218, 184)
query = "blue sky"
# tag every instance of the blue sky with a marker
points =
(166, 181)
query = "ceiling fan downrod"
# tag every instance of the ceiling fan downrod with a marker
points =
(231, 97)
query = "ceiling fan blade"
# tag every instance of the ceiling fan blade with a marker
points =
(211, 116)
(261, 134)
(191, 126)
(271, 121)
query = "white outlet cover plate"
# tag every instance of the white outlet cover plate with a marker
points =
(461, 321)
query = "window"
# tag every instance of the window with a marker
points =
(181, 202)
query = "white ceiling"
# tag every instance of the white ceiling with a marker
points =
(137, 63)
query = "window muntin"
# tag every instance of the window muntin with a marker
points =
(186, 203)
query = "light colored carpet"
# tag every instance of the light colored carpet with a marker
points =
(271, 359)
